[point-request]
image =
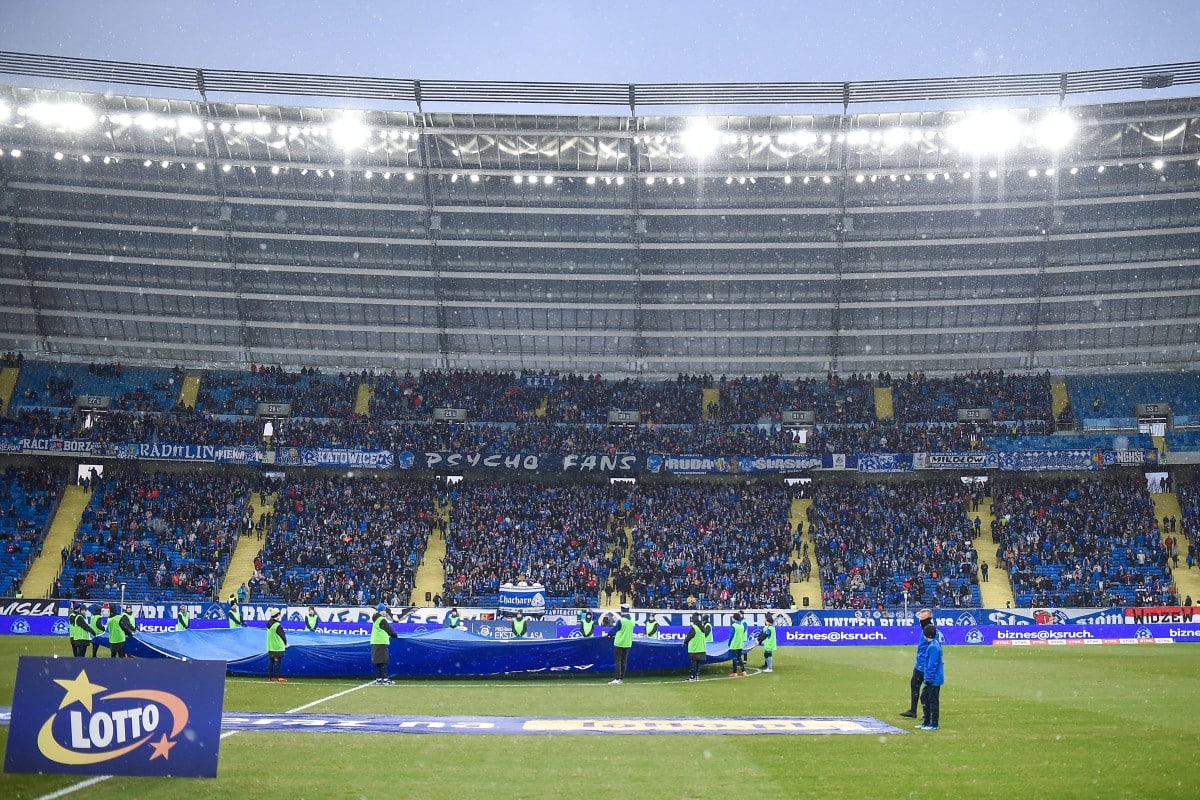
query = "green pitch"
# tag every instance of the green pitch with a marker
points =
(1044, 722)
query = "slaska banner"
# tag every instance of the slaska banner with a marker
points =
(116, 717)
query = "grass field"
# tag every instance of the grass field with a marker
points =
(1044, 722)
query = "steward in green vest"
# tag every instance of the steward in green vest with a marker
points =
(652, 628)
(696, 641)
(737, 644)
(120, 626)
(234, 614)
(587, 625)
(706, 623)
(622, 634)
(276, 646)
(453, 620)
(80, 630)
(519, 624)
(182, 620)
(767, 638)
(381, 632)
(311, 619)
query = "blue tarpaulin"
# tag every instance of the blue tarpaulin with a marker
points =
(430, 654)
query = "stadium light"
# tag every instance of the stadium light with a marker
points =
(15, 153)
(1055, 131)
(349, 131)
(188, 125)
(58, 156)
(4, 112)
(700, 138)
(988, 132)
(70, 116)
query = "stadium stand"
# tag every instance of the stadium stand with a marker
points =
(1081, 542)
(711, 546)
(340, 541)
(560, 536)
(1107, 401)
(310, 393)
(44, 384)
(164, 535)
(27, 496)
(888, 545)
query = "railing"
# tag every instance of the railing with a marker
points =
(630, 95)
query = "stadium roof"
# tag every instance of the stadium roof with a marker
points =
(165, 230)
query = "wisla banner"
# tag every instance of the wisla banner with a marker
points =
(116, 717)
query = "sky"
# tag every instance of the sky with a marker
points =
(650, 41)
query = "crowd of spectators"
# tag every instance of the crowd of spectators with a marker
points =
(163, 534)
(143, 389)
(708, 546)
(344, 541)
(834, 400)
(310, 393)
(565, 537)
(1081, 542)
(885, 545)
(920, 398)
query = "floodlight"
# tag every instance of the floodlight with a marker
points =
(71, 116)
(475, 178)
(350, 131)
(1157, 163)
(58, 156)
(274, 169)
(620, 180)
(147, 163)
(200, 166)
(787, 178)
(858, 136)
(992, 173)
(85, 158)
(987, 132)
(15, 153)
(368, 174)
(549, 179)
(859, 178)
(261, 129)
(649, 180)
(518, 179)
(408, 176)
(145, 121)
(226, 167)
(4, 111)
(1032, 173)
(591, 180)
(188, 125)
(1055, 131)
(700, 138)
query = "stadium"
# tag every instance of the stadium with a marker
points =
(836, 366)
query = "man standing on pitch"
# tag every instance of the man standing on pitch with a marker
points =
(622, 636)
(695, 641)
(381, 632)
(924, 617)
(276, 645)
(935, 676)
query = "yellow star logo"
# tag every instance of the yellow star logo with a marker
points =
(81, 689)
(161, 748)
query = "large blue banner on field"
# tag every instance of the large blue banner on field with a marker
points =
(116, 717)
(530, 599)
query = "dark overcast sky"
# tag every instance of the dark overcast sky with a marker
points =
(641, 42)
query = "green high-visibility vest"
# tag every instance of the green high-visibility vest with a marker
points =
(310, 621)
(737, 639)
(274, 640)
(770, 643)
(624, 633)
(235, 618)
(588, 626)
(116, 634)
(652, 628)
(696, 643)
(378, 634)
(78, 627)
(452, 621)
(519, 624)
(181, 621)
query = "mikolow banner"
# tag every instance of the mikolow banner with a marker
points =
(93, 716)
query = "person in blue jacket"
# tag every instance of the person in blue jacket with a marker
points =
(935, 675)
(924, 617)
